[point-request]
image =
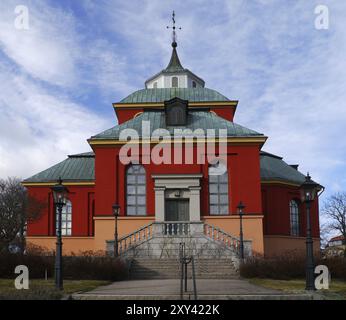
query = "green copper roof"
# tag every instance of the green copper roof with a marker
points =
(196, 120)
(163, 94)
(274, 168)
(79, 167)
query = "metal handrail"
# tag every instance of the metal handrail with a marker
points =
(184, 261)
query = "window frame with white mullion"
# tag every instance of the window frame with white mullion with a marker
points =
(175, 82)
(218, 194)
(137, 206)
(66, 219)
(294, 218)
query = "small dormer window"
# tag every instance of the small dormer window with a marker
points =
(155, 85)
(176, 112)
(194, 84)
(174, 82)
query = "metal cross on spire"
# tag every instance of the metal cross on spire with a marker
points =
(174, 35)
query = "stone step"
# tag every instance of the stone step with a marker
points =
(213, 261)
(164, 276)
(179, 266)
(197, 263)
(170, 269)
(177, 270)
(177, 259)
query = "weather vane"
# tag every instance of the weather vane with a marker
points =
(174, 28)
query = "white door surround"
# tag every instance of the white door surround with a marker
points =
(184, 186)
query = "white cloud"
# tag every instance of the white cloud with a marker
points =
(44, 71)
(47, 50)
(38, 129)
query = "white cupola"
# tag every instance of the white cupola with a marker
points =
(174, 76)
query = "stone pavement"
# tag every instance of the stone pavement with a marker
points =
(169, 289)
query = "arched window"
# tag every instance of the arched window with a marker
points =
(155, 85)
(66, 219)
(294, 218)
(135, 190)
(194, 84)
(174, 82)
(218, 190)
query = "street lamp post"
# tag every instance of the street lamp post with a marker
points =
(60, 198)
(240, 208)
(308, 191)
(116, 210)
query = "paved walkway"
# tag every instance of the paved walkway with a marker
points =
(235, 289)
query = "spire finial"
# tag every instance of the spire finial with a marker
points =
(174, 35)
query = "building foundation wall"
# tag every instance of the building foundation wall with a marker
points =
(276, 245)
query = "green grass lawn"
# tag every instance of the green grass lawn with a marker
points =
(337, 289)
(44, 290)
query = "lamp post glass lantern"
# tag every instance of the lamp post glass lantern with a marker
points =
(116, 211)
(60, 198)
(309, 191)
(240, 208)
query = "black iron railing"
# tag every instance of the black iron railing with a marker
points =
(184, 261)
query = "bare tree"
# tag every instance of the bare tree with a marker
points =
(17, 208)
(325, 234)
(335, 212)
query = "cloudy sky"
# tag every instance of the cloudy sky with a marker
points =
(59, 77)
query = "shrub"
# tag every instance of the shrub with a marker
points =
(37, 265)
(289, 266)
(95, 268)
(282, 267)
(84, 266)
(336, 266)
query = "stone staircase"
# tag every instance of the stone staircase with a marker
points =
(153, 250)
(144, 268)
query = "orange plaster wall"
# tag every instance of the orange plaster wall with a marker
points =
(252, 228)
(273, 245)
(104, 230)
(70, 244)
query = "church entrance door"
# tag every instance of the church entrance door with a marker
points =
(176, 210)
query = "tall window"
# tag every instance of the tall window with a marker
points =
(66, 219)
(194, 85)
(174, 82)
(294, 218)
(135, 190)
(218, 192)
(155, 85)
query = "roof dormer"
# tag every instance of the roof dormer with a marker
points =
(176, 112)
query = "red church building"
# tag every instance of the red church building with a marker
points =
(156, 165)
